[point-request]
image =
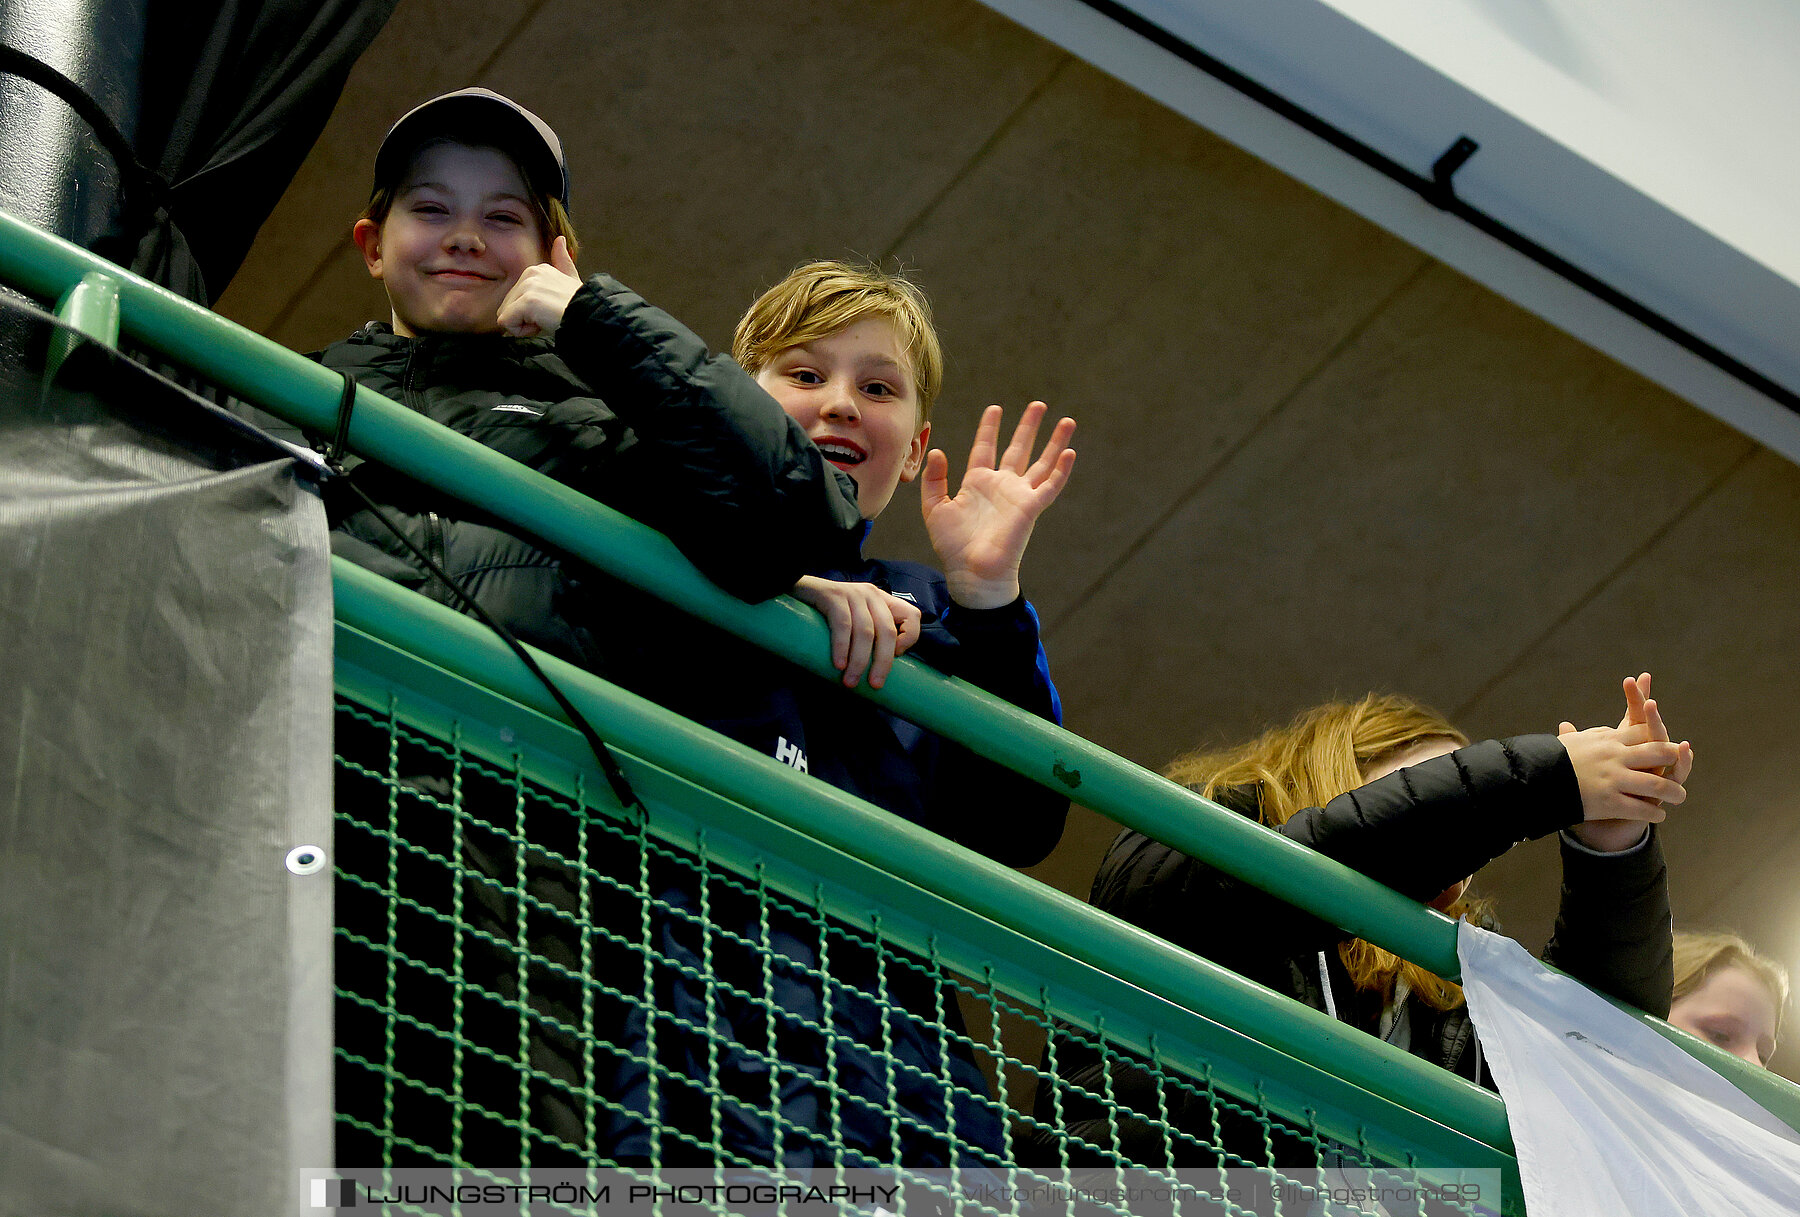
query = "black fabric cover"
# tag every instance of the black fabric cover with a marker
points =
(234, 95)
(220, 100)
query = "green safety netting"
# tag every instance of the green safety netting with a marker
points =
(532, 977)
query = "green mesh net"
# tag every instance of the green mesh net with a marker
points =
(525, 979)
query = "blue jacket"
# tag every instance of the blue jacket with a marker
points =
(827, 1082)
(845, 740)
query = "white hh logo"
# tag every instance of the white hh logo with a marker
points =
(790, 754)
(904, 596)
(518, 409)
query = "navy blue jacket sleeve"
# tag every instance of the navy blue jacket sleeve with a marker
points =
(716, 465)
(985, 806)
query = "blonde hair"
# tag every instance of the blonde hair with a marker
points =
(1324, 752)
(817, 299)
(1700, 957)
(552, 217)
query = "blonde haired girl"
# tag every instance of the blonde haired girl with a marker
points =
(1324, 752)
(1392, 789)
(1728, 995)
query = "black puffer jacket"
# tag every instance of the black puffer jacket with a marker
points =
(624, 404)
(627, 406)
(1417, 830)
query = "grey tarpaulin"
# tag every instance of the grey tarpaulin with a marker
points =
(165, 742)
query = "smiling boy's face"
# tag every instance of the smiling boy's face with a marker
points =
(854, 395)
(458, 236)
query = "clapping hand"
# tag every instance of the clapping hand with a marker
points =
(1627, 774)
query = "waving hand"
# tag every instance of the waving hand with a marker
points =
(981, 532)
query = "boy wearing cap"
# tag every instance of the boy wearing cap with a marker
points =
(493, 334)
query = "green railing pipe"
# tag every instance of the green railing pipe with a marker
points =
(306, 394)
(91, 310)
(1012, 963)
(461, 646)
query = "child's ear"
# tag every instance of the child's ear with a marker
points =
(915, 454)
(367, 235)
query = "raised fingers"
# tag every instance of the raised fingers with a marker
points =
(934, 480)
(1637, 688)
(560, 259)
(1654, 788)
(984, 451)
(1056, 459)
(1024, 438)
(1056, 479)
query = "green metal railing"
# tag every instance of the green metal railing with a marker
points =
(1039, 953)
(982, 916)
(306, 394)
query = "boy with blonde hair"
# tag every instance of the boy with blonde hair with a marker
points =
(864, 1069)
(852, 355)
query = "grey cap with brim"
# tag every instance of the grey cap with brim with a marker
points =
(479, 116)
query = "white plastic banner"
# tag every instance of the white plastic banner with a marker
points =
(1608, 1117)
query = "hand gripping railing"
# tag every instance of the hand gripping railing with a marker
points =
(1153, 990)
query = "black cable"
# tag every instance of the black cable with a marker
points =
(334, 455)
(609, 765)
(1436, 191)
(331, 467)
(145, 190)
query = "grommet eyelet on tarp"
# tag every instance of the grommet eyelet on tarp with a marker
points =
(306, 859)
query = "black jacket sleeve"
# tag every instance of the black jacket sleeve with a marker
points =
(716, 465)
(1613, 927)
(1418, 830)
(1019, 821)
(1422, 828)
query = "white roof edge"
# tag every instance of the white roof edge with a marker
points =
(1694, 280)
